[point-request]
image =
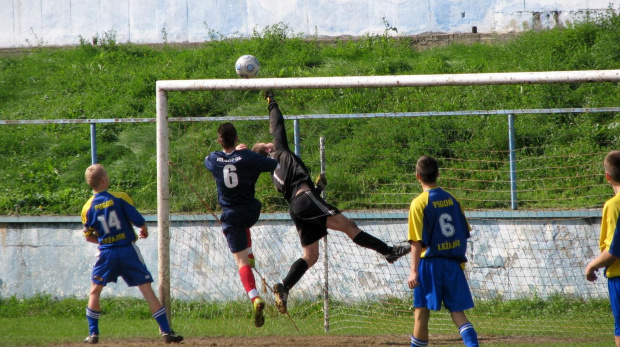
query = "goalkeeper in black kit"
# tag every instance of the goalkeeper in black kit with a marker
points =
(310, 213)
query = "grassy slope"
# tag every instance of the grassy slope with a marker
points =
(43, 165)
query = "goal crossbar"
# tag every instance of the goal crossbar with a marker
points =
(395, 81)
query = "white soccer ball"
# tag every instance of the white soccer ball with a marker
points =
(247, 66)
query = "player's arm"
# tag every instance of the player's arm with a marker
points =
(90, 234)
(276, 127)
(603, 260)
(416, 254)
(135, 217)
(415, 236)
(610, 247)
(144, 232)
(264, 164)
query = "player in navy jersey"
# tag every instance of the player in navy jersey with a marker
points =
(236, 170)
(609, 241)
(438, 233)
(310, 213)
(108, 219)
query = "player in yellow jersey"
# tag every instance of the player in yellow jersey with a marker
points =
(438, 231)
(609, 241)
(109, 219)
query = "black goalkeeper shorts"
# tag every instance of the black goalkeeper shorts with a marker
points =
(309, 213)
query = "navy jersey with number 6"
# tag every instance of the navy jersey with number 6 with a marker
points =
(236, 174)
(437, 219)
(111, 215)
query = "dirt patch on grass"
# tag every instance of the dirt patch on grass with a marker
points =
(336, 340)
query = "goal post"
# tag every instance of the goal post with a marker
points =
(163, 87)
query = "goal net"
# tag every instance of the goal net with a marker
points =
(534, 210)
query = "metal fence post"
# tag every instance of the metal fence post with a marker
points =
(325, 249)
(297, 138)
(93, 143)
(513, 162)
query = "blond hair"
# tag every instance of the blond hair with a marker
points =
(94, 175)
(260, 148)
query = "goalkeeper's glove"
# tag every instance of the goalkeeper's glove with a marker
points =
(320, 183)
(268, 95)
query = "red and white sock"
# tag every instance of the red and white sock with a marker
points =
(249, 283)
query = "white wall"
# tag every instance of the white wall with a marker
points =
(63, 22)
(508, 258)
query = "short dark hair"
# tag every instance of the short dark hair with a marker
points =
(428, 169)
(227, 134)
(612, 165)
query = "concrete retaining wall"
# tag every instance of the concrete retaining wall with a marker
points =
(508, 258)
(64, 22)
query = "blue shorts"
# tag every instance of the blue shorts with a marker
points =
(613, 284)
(236, 220)
(442, 280)
(125, 261)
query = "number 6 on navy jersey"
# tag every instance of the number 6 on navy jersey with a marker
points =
(231, 180)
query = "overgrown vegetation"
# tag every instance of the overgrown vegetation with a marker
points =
(42, 165)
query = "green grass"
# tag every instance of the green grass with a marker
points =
(555, 321)
(42, 171)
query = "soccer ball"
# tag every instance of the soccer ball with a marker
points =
(247, 66)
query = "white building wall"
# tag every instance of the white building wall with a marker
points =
(63, 22)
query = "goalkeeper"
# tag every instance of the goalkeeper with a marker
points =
(310, 213)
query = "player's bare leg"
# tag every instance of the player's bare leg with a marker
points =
(149, 295)
(93, 310)
(420, 328)
(617, 341)
(341, 223)
(93, 298)
(251, 260)
(159, 314)
(295, 273)
(311, 253)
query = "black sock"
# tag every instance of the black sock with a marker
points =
(297, 270)
(366, 240)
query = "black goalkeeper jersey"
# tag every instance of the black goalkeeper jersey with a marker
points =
(291, 173)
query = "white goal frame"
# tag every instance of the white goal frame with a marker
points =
(396, 81)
